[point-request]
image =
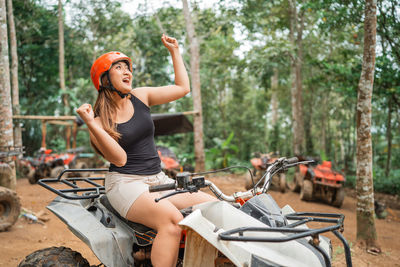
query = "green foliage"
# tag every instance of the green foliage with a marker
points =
(382, 184)
(241, 43)
(221, 154)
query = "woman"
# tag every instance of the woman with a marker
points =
(122, 131)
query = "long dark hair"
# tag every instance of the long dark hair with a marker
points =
(105, 109)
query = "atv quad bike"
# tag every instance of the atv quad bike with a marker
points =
(10, 206)
(49, 164)
(260, 164)
(321, 182)
(243, 229)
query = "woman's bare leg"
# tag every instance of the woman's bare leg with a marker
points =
(163, 217)
(182, 201)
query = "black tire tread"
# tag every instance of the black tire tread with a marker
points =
(11, 199)
(282, 182)
(294, 185)
(54, 256)
(306, 192)
(339, 197)
(56, 171)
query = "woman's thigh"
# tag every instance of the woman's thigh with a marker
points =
(182, 201)
(153, 214)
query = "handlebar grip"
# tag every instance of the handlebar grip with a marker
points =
(162, 187)
(292, 160)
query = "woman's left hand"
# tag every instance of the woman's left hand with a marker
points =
(170, 43)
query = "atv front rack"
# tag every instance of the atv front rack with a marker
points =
(77, 187)
(296, 233)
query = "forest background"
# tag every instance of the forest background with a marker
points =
(245, 75)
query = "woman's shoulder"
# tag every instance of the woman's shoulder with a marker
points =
(142, 94)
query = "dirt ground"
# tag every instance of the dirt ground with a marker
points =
(25, 237)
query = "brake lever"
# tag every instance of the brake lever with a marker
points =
(171, 194)
(189, 189)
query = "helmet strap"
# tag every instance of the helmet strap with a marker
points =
(111, 87)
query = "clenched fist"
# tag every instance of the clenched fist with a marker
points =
(170, 43)
(86, 113)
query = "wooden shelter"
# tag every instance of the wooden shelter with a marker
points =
(165, 124)
(70, 122)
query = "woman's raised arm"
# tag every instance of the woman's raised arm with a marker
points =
(164, 94)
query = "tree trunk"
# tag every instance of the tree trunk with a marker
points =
(296, 36)
(14, 74)
(309, 148)
(366, 232)
(299, 82)
(323, 126)
(196, 89)
(6, 126)
(389, 138)
(61, 57)
(274, 110)
(274, 98)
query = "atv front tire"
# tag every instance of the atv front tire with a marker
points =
(54, 256)
(306, 192)
(10, 208)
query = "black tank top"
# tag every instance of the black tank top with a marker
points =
(137, 139)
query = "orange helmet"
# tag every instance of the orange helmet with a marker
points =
(103, 64)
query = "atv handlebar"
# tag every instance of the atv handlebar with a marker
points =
(186, 184)
(162, 187)
(292, 160)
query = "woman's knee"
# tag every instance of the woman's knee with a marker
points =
(169, 224)
(170, 217)
(170, 229)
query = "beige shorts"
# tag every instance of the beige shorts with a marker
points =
(123, 189)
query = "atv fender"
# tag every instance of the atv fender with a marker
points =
(112, 245)
(212, 218)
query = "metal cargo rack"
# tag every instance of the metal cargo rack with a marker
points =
(291, 233)
(77, 187)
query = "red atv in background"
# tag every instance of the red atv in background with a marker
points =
(169, 163)
(320, 182)
(260, 164)
(49, 164)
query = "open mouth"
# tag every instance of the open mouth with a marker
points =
(126, 80)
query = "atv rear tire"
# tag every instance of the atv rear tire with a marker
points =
(31, 173)
(54, 256)
(282, 182)
(81, 165)
(306, 192)
(295, 185)
(55, 172)
(339, 197)
(32, 179)
(10, 208)
(249, 183)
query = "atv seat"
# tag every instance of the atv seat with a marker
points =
(137, 227)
